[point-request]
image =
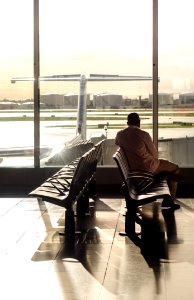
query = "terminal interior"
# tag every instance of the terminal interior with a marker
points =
(151, 49)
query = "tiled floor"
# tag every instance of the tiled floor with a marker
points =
(38, 263)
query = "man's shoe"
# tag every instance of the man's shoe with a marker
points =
(170, 204)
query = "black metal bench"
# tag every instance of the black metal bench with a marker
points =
(70, 152)
(139, 188)
(72, 186)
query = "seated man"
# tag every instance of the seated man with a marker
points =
(142, 155)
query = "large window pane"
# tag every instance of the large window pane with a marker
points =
(94, 37)
(16, 104)
(176, 87)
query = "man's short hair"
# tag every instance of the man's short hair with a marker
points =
(133, 119)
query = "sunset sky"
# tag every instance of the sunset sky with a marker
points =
(104, 36)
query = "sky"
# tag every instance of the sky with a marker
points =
(90, 36)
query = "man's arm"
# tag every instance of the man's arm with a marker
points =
(116, 140)
(151, 148)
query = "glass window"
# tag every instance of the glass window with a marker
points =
(99, 38)
(93, 37)
(16, 100)
(176, 87)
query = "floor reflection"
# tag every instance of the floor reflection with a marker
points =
(146, 266)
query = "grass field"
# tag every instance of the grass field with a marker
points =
(113, 118)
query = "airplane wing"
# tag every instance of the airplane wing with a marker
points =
(101, 77)
(77, 77)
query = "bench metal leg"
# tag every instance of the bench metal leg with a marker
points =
(130, 220)
(82, 206)
(69, 223)
(92, 189)
(130, 217)
(69, 231)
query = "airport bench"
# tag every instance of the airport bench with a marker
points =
(139, 188)
(72, 186)
(70, 153)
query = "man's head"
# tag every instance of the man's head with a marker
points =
(133, 119)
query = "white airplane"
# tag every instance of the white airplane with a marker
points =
(81, 110)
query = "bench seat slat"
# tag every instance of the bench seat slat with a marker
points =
(61, 181)
(46, 193)
(152, 192)
(51, 184)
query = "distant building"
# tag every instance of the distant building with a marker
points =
(71, 100)
(52, 100)
(186, 99)
(164, 99)
(62, 101)
(105, 100)
(29, 105)
(8, 105)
